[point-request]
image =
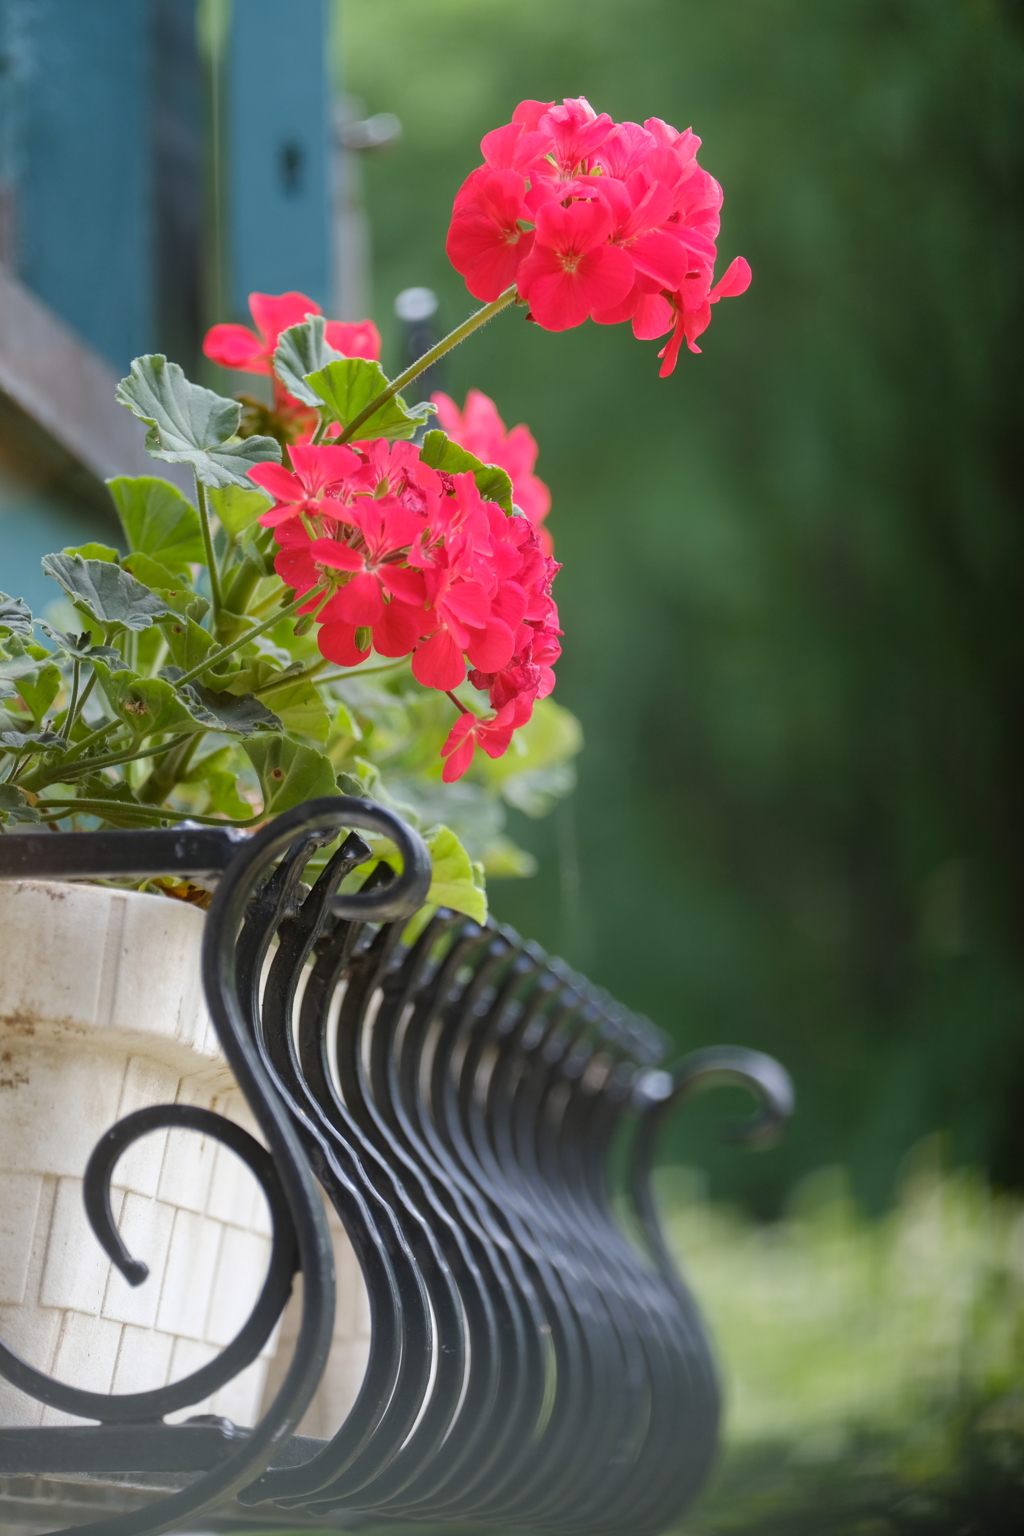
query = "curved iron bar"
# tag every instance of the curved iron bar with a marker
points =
(457, 1097)
(293, 1186)
(135, 1407)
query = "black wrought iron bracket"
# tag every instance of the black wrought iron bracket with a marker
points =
(528, 1362)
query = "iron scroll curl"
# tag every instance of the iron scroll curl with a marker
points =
(133, 1407)
(658, 1094)
(301, 1237)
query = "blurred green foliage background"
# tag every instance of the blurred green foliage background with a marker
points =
(792, 583)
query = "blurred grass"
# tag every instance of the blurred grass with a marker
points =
(874, 1368)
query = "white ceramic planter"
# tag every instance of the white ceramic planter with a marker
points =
(101, 1013)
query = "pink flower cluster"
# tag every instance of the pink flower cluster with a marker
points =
(592, 218)
(480, 430)
(235, 346)
(416, 562)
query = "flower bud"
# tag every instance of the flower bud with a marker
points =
(364, 638)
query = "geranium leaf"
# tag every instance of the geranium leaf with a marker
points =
(452, 882)
(82, 647)
(241, 715)
(109, 595)
(189, 643)
(170, 584)
(347, 387)
(217, 773)
(32, 741)
(15, 616)
(491, 481)
(237, 508)
(301, 709)
(303, 349)
(93, 552)
(14, 807)
(41, 688)
(146, 705)
(289, 772)
(17, 666)
(158, 520)
(191, 425)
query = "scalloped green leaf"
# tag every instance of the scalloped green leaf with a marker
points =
(452, 875)
(191, 425)
(15, 616)
(236, 508)
(146, 705)
(93, 551)
(158, 520)
(347, 387)
(170, 584)
(189, 643)
(111, 596)
(17, 665)
(289, 772)
(303, 349)
(239, 714)
(301, 709)
(30, 741)
(14, 807)
(216, 771)
(83, 648)
(491, 481)
(39, 689)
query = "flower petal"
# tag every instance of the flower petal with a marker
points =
(355, 338)
(235, 346)
(398, 629)
(438, 662)
(360, 601)
(337, 642)
(275, 312)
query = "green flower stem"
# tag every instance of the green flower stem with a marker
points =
(211, 559)
(169, 771)
(227, 650)
(337, 677)
(92, 740)
(69, 718)
(90, 685)
(429, 358)
(39, 777)
(56, 810)
(61, 773)
(289, 679)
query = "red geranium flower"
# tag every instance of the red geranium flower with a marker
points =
(381, 594)
(470, 732)
(572, 269)
(317, 472)
(693, 310)
(486, 242)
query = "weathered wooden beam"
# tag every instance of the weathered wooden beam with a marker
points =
(50, 376)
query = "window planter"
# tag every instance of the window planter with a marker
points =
(454, 1093)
